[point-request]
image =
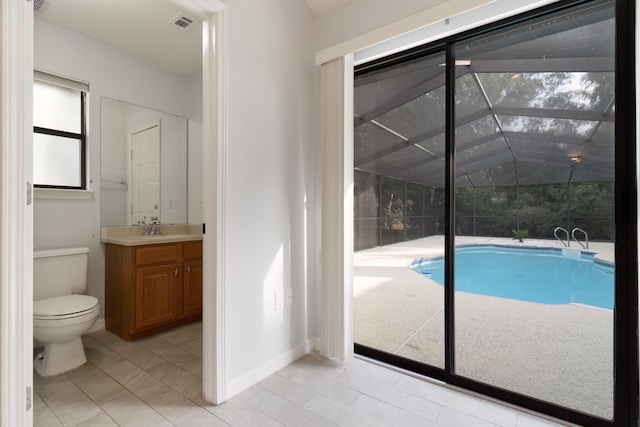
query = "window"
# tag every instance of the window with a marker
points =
(59, 132)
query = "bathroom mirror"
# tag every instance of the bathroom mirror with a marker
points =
(143, 164)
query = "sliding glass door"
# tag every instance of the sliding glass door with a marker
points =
(535, 161)
(399, 207)
(494, 245)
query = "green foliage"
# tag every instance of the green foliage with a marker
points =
(408, 211)
(520, 235)
(538, 209)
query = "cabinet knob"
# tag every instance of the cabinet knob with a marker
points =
(188, 269)
(175, 272)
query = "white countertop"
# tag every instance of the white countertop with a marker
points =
(133, 235)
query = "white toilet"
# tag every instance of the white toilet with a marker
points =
(60, 314)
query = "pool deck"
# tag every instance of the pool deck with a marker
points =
(560, 353)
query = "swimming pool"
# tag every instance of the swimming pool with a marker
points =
(543, 275)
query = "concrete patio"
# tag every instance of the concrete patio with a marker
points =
(558, 353)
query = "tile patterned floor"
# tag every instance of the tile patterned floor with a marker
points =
(157, 381)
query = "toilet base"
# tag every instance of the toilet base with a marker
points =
(59, 358)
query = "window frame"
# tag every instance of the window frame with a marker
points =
(83, 88)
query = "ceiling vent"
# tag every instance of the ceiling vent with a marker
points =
(180, 22)
(37, 5)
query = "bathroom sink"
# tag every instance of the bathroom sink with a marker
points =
(132, 235)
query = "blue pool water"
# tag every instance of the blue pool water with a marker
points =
(549, 276)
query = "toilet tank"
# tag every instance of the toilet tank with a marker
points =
(58, 272)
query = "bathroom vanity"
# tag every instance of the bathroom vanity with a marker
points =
(152, 283)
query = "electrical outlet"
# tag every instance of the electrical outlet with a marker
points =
(279, 297)
(288, 297)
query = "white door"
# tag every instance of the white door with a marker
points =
(145, 175)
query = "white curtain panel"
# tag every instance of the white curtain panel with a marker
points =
(337, 207)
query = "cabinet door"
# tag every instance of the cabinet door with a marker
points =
(192, 303)
(156, 295)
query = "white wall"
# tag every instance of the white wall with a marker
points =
(270, 183)
(111, 73)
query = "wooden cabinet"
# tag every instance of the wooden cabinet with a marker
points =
(192, 301)
(151, 288)
(156, 294)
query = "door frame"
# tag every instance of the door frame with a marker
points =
(214, 133)
(16, 214)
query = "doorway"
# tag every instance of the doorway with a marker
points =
(16, 334)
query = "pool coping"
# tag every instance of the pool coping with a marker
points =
(598, 257)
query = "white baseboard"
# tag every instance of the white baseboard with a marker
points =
(246, 380)
(98, 326)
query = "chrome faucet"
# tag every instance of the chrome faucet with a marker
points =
(147, 227)
(151, 229)
(155, 226)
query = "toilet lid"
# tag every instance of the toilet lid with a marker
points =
(64, 305)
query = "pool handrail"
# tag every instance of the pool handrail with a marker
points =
(555, 234)
(586, 237)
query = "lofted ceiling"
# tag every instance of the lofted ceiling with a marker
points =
(139, 27)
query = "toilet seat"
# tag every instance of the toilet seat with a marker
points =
(64, 307)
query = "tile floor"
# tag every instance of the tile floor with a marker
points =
(157, 381)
